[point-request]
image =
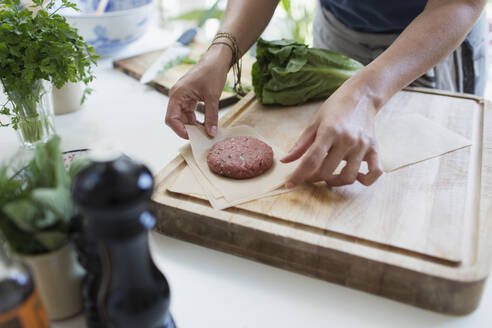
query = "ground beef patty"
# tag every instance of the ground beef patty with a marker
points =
(240, 157)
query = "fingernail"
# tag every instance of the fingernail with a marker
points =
(289, 185)
(213, 130)
(287, 155)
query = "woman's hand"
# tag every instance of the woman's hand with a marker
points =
(204, 82)
(343, 129)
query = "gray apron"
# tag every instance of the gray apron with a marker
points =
(464, 70)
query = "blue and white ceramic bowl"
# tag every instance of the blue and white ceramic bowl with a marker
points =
(110, 32)
(90, 6)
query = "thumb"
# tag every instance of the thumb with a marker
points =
(211, 116)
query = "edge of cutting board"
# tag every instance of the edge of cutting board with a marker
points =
(402, 276)
(120, 65)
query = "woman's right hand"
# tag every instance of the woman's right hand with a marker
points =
(204, 82)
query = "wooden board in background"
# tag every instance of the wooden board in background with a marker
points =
(421, 235)
(137, 65)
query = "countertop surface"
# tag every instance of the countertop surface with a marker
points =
(210, 288)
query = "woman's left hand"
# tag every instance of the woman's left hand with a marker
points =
(343, 129)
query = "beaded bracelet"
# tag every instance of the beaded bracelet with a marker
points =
(235, 60)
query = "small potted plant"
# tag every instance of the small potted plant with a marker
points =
(38, 49)
(35, 213)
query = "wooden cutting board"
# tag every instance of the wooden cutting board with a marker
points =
(422, 234)
(137, 65)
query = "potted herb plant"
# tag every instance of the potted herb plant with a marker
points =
(38, 49)
(35, 212)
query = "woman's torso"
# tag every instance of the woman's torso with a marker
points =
(376, 16)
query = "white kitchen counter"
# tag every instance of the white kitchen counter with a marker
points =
(210, 288)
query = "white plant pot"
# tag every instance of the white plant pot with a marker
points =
(58, 278)
(67, 98)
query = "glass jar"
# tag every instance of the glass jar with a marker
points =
(35, 114)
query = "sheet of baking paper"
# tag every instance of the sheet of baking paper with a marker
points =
(402, 140)
(211, 191)
(216, 202)
(187, 184)
(191, 181)
(233, 189)
(207, 185)
(413, 138)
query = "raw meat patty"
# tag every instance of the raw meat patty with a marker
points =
(240, 157)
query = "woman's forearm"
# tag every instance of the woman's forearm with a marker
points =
(246, 20)
(432, 36)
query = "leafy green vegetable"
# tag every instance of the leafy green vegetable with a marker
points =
(35, 205)
(290, 73)
(35, 47)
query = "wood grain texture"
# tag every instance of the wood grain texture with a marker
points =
(422, 235)
(136, 66)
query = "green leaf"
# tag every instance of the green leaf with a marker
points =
(10, 189)
(47, 170)
(34, 218)
(46, 220)
(7, 27)
(52, 240)
(39, 47)
(22, 212)
(57, 200)
(298, 59)
(87, 91)
(18, 240)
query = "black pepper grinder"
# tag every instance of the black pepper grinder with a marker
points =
(113, 198)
